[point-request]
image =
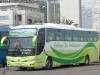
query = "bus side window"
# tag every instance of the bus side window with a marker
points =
(68, 35)
(49, 38)
(50, 34)
(90, 36)
(40, 40)
(76, 35)
(59, 35)
(95, 36)
(83, 36)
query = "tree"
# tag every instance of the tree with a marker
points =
(32, 23)
(63, 20)
(76, 25)
(67, 21)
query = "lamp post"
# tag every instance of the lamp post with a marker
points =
(54, 12)
(15, 15)
(48, 12)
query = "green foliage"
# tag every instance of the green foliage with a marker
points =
(67, 21)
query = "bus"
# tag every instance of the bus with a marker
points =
(3, 49)
(48, 45)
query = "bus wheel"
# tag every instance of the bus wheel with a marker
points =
(22, 68)
(48, 64)
(87, 61)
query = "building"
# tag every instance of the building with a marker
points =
(17, 1)
(96, 14)
(54, 8)
(86, 14)
(80, 11)
(13, 14)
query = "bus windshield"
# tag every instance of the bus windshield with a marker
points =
(20, 42)
(23, 32)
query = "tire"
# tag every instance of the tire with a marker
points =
(48, 64)
(87, 61)
(22, 68)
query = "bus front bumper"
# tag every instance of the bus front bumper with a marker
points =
(21, 64)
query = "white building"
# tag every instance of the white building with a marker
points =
(80, 11)
(69, 9)
(13, 14)
(96, 14)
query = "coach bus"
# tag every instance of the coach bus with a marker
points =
(3, 49)
(47, 45)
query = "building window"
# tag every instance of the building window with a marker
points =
(96, 18)
(21, 8)
(3, 9)
(98, 9)
(20, 17)
(12, 8)
(98, 1)
(29, 21)
(40, 21)
(4, 17)
(96, 26)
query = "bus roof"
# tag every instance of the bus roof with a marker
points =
(52, 25)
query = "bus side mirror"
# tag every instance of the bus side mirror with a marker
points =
(34, 41)
(4, 41)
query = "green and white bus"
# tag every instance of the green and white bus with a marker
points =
(47, 45)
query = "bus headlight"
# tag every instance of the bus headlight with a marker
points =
(30, 60)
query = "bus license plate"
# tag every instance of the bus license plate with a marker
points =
(18, 64)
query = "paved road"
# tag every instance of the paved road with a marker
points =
(92, 69)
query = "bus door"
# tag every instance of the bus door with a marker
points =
(40, 47)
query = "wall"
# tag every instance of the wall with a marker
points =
(70, 10)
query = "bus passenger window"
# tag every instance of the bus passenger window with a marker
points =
(68, 38)
(90, 36)
(95, 36)
(76, 35)
(49, 38)
(59, 35)
(83, 36)
(50, 34)
(68, 35)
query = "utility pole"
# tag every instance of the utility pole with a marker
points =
(48, 12)
(54, 13)
(15, 15)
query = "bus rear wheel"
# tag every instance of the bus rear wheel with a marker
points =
(48, 64)
(87, 61)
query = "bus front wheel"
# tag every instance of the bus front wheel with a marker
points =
(87, 61)
(48, 64)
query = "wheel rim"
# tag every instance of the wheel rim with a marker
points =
(48, 63)
(87, 61)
